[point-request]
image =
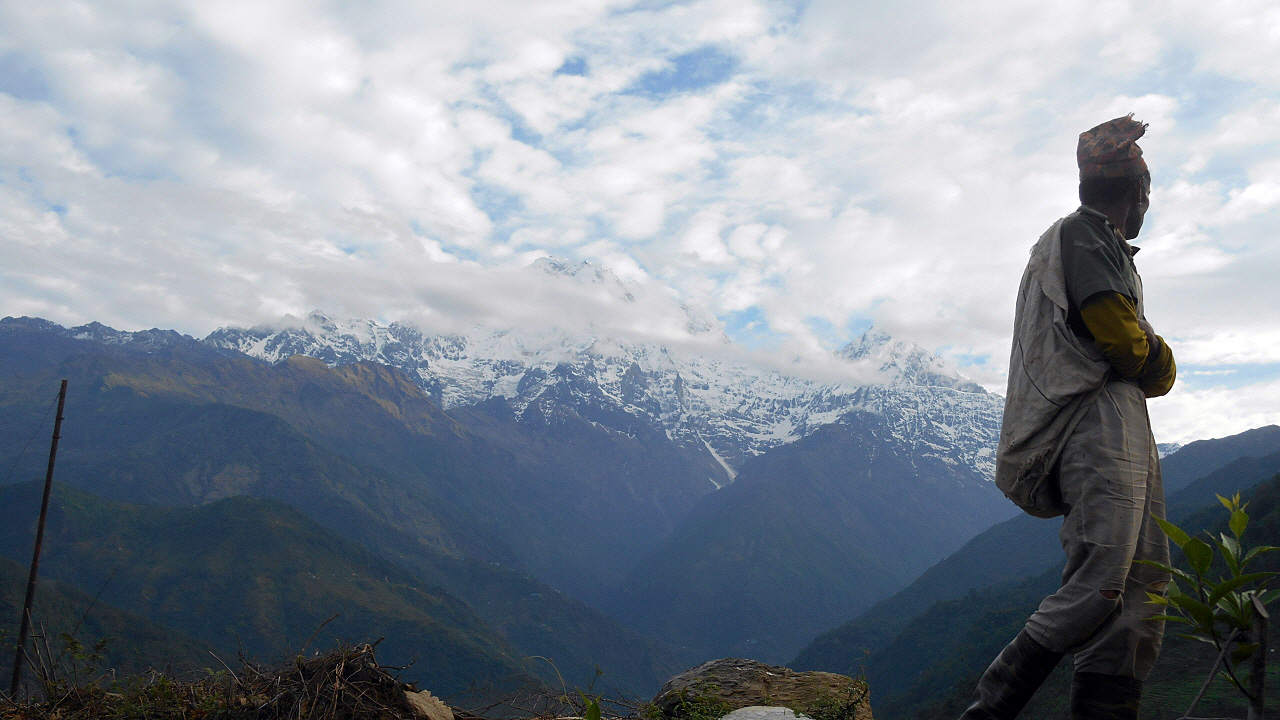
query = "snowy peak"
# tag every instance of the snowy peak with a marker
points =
(652, 305)
(711, 404)
(584, 273)
(906, 362)
(152, 339)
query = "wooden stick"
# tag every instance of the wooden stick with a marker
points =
(25, 627)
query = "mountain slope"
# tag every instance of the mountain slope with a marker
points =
(1027, 546)
(930, 668)
(134, 644)
(496, 492)
(648, 430)
(808, 534)
(362, 451)
(1197, 459)
(255, 574)
(719, 410)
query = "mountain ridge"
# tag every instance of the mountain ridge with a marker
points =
(1030, 553)
(728, 410)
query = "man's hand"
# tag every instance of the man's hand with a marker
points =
(1153, 340)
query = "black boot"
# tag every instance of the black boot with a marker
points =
(1011, 680)
(1095, 696)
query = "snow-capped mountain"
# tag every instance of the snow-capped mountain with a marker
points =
(729, 409)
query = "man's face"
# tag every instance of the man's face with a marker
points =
(1138, 209)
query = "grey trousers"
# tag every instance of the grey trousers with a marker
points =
(1109, 475)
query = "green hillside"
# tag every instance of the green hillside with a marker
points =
(1027, 546)
(475, 505)
(931, 666)
(474, 483)
(256, 575)
(829, 523)
(134, 643)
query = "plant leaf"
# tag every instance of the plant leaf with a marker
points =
(1239, 521)
(1255, 552)
(1171, 618)
(1179, 574)
(1242, 651)
(1230, 506)
(1175, 533)
(1234, 610)
(1220, 591)
(1230, 550)
(1157, 599)
(1199, 554)
(1199, 638)
(1198, 611)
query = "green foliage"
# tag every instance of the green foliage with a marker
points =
(203, 572)
(706, 705)
(705, 702)
(343, 684)
(590, 706)
(1218, 610)
(837, 706)
(363, 451)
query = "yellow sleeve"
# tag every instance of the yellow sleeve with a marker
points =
(1113, 321)
(1161, 372)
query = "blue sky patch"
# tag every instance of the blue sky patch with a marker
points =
(1201, 96)
(965, 359)
(496, 201)
(1200, 377)
(857, 326)
(688, 72)
(826, 331)
(573, 66)
(750, 328)
(21, 79)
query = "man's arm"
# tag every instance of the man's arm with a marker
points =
(1134, 351)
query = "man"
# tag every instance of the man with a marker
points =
(1076, 441)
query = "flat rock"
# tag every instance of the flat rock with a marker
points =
(762, 712)
(729, 684)
(426, 706)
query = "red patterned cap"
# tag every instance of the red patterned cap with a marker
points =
(1110, 150)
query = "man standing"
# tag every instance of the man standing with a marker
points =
(1076, 441)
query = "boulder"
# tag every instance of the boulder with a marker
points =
(760, 712)
(716, 688)
(426, 706)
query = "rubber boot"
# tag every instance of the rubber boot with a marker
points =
(1011, 680)
(1095, 696)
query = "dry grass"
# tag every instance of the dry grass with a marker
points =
(345, 684)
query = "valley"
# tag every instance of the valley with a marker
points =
(623, 511)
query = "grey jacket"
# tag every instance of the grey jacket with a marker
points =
(1053, 377)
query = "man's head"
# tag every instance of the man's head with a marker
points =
(1114, 178)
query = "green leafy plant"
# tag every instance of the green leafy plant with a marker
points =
(837, 706)
(591, 707)
(704, 704)
(1227, 610)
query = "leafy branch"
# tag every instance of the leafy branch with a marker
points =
(1222, 610)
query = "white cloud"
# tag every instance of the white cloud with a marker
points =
(1185, 415)
(199, 163)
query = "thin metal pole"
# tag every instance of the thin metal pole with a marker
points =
(25, 627)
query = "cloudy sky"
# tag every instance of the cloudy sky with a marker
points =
(799, 170)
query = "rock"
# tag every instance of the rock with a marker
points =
(426, 706)
(719, 687)
(760, 712)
